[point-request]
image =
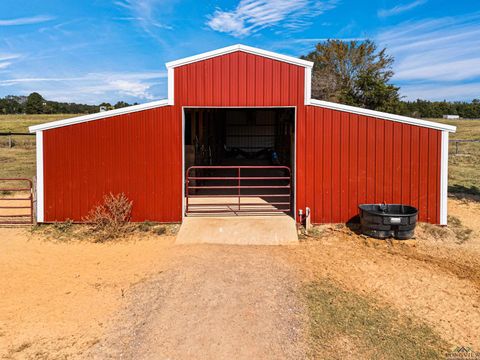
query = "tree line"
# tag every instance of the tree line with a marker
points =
(355, 73)
(358, 73)
(36, 104)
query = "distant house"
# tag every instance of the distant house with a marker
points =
(451, 117)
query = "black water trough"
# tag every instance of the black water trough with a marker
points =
(382, 221)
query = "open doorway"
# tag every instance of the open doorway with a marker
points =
(239, 160)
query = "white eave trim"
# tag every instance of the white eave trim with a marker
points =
(308, 86)
(383, 115)
(40, 184)
(444, 179)
(98, 116)
(240, 47)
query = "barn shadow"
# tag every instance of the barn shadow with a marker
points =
(463, 192)
(354, 224)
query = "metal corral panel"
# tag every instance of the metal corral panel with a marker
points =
(345, 159)
(138, 154)
(239, 79)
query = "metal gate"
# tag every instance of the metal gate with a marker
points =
(238, 190)
(16, 202)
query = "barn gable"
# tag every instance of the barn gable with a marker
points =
(242, 63)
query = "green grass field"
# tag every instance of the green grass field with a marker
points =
(464, 166)
(20, 123)
(19, 161)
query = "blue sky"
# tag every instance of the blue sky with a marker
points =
(110, 50)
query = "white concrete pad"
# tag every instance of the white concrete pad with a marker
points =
(238, 230)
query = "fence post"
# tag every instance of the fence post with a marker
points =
(10, 140)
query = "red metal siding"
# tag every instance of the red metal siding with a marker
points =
(343, 159)
(239, 79)
(351, 159)
(138, 154)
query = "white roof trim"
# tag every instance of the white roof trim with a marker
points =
(289, 59)
(240, 47)
(97, 116)
(383, 115)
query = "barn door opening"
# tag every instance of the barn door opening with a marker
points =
(239, 161)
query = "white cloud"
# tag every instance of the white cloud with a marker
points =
(441, 52)
(132, 88)
(145, 14)
(400, 8)
(229, 23)
(6, 60)
(251, 16)
(26, 20)
(439, 92)
(91, 87)
(4, 57)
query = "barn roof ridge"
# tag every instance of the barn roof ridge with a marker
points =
(243, 48)
(226, 50)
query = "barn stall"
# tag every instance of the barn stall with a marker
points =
(240, 134)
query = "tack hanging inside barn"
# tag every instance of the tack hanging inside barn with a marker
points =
(242, 106)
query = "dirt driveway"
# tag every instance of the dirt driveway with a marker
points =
(146, 298)
(213, 302)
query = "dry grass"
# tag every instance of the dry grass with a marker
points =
(455, 231)
(345, 325)
(69, 232)
(20, 123)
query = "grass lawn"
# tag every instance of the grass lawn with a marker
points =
(20, 123)
(464, 166)
(19, 161)
(345, 325)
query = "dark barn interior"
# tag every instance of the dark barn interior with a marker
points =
(259, 140)
(239, 136)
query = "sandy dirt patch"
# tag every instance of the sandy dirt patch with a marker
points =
(146, 298)
(57, 297)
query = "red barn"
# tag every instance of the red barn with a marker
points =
(244, 119)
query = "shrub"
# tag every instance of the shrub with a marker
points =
(110, 219)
